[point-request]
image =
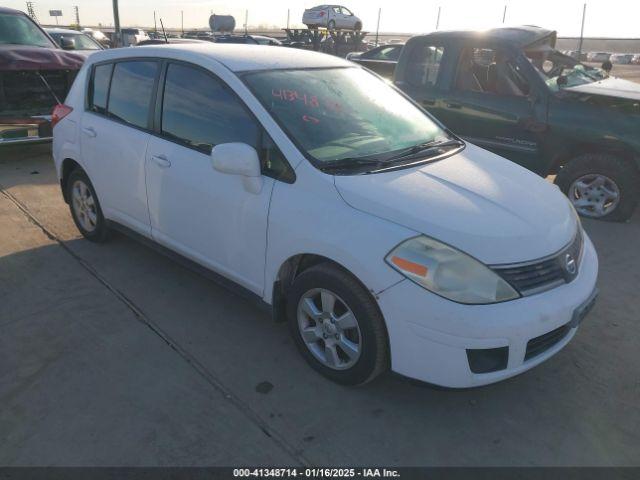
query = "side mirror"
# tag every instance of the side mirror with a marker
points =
(67, 43)
(239, 159)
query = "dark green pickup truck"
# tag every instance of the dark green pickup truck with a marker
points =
(508, 90)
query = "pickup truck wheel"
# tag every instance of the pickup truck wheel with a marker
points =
(601, 186)
(337, 325)
(85, 207)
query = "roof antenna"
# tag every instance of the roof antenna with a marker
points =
(163, 32)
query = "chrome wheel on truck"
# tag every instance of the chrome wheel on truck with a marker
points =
(594, 195)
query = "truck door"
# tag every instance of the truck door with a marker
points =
(493, 105)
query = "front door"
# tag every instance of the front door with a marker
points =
(207, 216)
(492, 105)
(114, 138)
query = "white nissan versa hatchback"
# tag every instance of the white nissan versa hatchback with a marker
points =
(385, 240)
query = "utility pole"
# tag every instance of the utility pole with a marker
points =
(438, 19)
(155, 25)
(116, 23)
(504, 14)
(378, 26)
(246, 22)
(288, 17)
(584, 14)
(32, 11)
(182, 21)
(77, 13)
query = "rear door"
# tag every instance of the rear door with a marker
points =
(422, 72)
(114, 138)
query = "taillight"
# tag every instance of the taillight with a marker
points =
(59, 112)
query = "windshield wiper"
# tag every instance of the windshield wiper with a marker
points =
(421, 148)
(350, 162)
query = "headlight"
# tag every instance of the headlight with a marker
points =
(448, 272)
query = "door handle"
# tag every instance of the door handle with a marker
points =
(428, 103)
(89, 132)
(161, 161)
(454, 105)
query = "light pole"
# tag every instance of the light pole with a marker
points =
(504, 14)
(438, 19)
(378, 27)
(584, 14)
(116, 23)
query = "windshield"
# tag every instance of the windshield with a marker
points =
(20, 30)
(551, 65)
(342, 113)
(80, 40)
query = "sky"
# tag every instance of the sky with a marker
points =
(605, 18)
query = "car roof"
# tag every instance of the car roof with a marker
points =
(12, 11)
(63, 30)
(519, 36)
(236, 57)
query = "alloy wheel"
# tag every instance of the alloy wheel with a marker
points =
(84, 206)
(329, 329)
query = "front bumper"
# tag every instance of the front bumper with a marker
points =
(25, 130)
(429, 336)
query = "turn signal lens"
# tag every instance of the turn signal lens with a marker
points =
(409, 266)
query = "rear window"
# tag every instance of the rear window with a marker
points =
(99, 88)
(132, 90)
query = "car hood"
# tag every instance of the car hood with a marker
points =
(476, 201)
(611, 87)
(19, 58)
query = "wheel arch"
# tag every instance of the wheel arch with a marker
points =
(290, 269)
(618, 149)
(68, 166)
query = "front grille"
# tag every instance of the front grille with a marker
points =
(24, 93)
(538, 276)
(541, 344)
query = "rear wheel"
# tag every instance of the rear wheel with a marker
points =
(85, 207)
(337, 326)
(601, 186)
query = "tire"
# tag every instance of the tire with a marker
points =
(369, 335)
(358, 26)
(87, 214)
(331, 25)
(616, 175)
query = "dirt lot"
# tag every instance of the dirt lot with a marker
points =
(115, 355)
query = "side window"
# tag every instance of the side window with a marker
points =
(132, 90)
(99, 88)
(424, 65)
(200, 112)
(490, 71)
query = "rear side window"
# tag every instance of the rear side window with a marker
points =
(200, 112)
(424, 65)
(132, 90)
(99, 88)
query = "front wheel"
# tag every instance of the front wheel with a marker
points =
(358, 26)
(601, 186)
(331, 25)
(337, 325)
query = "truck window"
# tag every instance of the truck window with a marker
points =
(424, 65)
(490, 71)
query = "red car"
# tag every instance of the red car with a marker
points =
(35, 75)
